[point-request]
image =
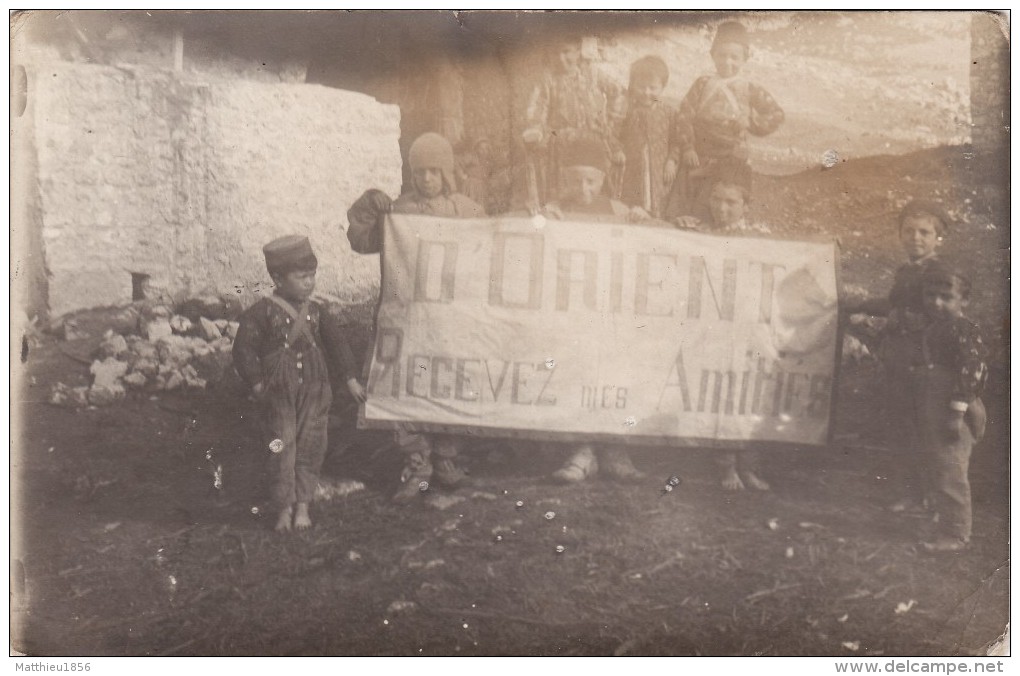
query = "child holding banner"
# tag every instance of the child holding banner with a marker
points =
(582, 178)
(433, 194)
(715, 118)
(729, 196)
(284, 349)
(646, 134)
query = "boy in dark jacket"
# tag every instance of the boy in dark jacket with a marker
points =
(285, 347)
(947, 381)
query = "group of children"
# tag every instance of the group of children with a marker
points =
(686, 169)
(664, 161)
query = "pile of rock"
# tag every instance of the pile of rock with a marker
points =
(165, 351)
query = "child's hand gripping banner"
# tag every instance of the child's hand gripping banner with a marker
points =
(586, 331)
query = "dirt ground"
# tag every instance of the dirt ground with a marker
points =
(123, 544)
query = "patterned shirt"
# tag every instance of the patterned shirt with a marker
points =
(645, 137)
(265, 327)
(717, 114)
(583, 100)
(955, 343)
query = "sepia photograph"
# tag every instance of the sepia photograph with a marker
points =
(502, 333)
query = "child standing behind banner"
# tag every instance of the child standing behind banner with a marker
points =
(434, 193)
(729, 192)
(651, 160)
(284, 347)
(582, 177)
(573, 101)
(715, 117)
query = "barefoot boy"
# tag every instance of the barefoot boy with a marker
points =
(283, 346)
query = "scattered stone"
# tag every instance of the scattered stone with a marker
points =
(231, 329)
(108, 372)
(113, 345)
(223, 344)
(135, 379)
(146, 367)
(104, 395)
(157, 329)
(173, 381)
(209, 329)
(63, 395)
(180, 324)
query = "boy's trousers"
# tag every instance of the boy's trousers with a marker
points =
(928, 464)
(296, 412)
(946, 460)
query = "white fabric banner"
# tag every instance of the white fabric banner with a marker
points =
(594, 331)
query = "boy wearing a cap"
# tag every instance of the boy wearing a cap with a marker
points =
(286, 346)
(433, 193)
(715, 117)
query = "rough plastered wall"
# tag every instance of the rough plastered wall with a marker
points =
(291, 158)
(184, 177)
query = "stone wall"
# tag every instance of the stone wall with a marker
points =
(183, 177)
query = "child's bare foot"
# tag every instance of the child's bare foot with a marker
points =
(301, 519)
(731, 481)
(755, 481)
(283, 522)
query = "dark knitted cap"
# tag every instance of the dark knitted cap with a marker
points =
(731, 32)
(289, 254)
(922, 208)
(649, 66)
(585, 152)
